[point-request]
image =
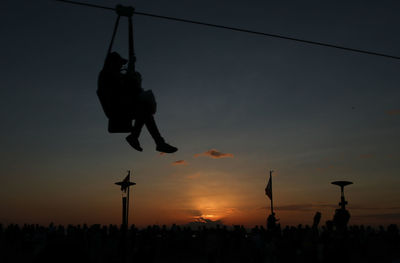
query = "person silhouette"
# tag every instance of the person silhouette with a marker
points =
(123, 93)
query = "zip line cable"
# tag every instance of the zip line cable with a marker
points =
(244, 31)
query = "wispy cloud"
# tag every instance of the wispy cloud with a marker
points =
(215, 154)
(314, 207)
(193, 212)
(180, 162)
(204, 222)
(363, 207)
(393, 112)
(304, 207)
(395, 217)
(193, 176)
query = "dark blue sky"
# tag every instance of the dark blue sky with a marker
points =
(273, 104)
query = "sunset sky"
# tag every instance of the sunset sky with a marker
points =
(236, 105)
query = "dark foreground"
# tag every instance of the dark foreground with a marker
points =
(32, 243)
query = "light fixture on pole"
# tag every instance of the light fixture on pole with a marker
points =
(125, 189)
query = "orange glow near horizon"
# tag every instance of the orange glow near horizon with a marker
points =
(184, 198)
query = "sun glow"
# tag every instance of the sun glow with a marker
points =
(215, 209)
(208, 216)
(214, 196)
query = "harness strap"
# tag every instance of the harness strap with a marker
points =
(113, 35)
(132, 57)
(125, 12)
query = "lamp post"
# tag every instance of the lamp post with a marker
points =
(342, 216)
(125, 189)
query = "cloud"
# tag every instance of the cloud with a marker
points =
(393, 112)
(193, 176)
(193, 212)
(207, 220)
(383, 216)
(363, 207)
(204, 222)
(214, 154)
(304, 207)
(180, 162)
(315, 207)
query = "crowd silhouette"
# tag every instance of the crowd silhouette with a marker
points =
(34, 243)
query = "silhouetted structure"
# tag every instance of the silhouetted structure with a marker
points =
(125, 188)
(342, 216)
(122, 96)
(271, 220)
(123, 241)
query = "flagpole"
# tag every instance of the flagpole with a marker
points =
(272, 204)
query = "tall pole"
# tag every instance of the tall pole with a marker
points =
(127, 203)
(125, 186)
(270, 179)
(343, 202)
(124, 212)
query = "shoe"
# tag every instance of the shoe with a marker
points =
(134, 142)
(166, 148)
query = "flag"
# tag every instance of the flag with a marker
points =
(268, 189)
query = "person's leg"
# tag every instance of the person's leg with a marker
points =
(137, 127)
(153, 129)
(162, 146)
(133, 138)
(148, 120)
